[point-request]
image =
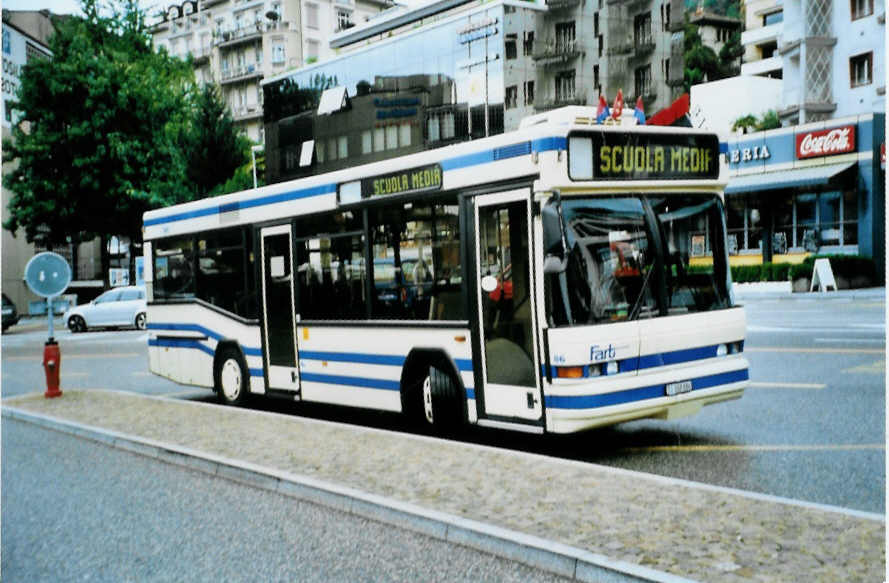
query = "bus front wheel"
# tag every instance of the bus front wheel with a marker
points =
(441, 401)
(231, 378)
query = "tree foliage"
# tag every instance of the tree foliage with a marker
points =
(703, 64)
(750, 123)
(111, 129)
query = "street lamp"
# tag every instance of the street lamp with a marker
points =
(253, 151)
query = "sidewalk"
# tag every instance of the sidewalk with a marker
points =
(769, 290)
(577, 519)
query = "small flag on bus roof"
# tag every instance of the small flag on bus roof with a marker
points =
(618, 104)
(640, 111)
(602, 112)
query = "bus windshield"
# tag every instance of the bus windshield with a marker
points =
(633, 257)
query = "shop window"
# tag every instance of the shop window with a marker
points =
(417, 271)
(829, 218)
(806, 224)
(850, 217)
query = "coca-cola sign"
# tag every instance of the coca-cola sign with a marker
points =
(825, 142)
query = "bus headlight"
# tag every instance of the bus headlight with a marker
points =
(721, 350)
(611, 368)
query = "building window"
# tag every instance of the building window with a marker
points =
(511, 49)
(379, 139)
(404, 134)
(342, 143)
(391, 137)
(258, 54)
(642, 29)
(564, 36)
(596, 85)
(512, 96)
(596, 24)
(312, 15)
(565, 86)
(311, 50)
(862, 8)
(278, 56)
(665, 68)
(665, 16)
(331, 149)
(773, 18)
(861, 69)
(344, 19)
(528, 45)
(529, 93)
(643, 80)
(601, 45)
(366, 142)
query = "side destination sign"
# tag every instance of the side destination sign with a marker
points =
(634, 156)
(403, 182)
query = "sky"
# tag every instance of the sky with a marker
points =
(70, 6)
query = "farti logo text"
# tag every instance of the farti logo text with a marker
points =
(600, 353)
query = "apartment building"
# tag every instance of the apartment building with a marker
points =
(830, 55)
(452, 70)
(237, 43)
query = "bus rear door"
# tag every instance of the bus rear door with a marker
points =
(506, 341)
(279, 331)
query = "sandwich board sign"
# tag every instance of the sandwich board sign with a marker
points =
(822, 274)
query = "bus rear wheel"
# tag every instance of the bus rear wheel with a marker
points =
(231, 378)
(441, 401)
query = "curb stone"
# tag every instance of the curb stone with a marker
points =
(537, 552)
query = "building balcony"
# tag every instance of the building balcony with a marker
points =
(239, 36)
(626, 48)
(239, 74)
(762, 35)
(555, 101)
(762, 67)
(643, 47)
(561, 4)
(246, 112)
(557, 53)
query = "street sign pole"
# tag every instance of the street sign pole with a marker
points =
(48, 274)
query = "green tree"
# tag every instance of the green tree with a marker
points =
(730, 56)
(98, 145)
(701, 62)
(213, 148)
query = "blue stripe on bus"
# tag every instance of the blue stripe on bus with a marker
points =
(248, 351)
(363, 382)
(470, 393)
(647, 361)
(352, 357)
(456, 163)
(641, 393)
(184, 343)
(245, 204)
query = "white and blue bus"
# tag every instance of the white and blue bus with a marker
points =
(564, 276)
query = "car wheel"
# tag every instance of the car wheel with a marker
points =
(141, 321)
(230, 378)
(441, 401)
(76, 324)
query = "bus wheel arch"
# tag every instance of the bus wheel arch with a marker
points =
(231, 378)
(431, 390)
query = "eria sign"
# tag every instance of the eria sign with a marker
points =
(825, 142)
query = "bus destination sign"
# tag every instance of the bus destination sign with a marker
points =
(413, 180)
(627, 156)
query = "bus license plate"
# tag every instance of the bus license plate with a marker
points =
(678, 388)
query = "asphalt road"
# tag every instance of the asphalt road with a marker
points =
(811, 426)
(74, 510)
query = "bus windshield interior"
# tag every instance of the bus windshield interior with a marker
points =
(633, 257)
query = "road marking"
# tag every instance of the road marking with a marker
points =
(712, 448)
(876, 367)
(69, 356)
(853, 340)
(768, 385)
(141, 373)
(816, 350)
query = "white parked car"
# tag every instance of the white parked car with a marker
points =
(121, 306)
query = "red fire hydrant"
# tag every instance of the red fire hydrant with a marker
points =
(52, 361)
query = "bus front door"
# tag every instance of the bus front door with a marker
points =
(506, 309)
(279, 331)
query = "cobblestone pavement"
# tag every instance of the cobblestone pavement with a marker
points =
(695, 532)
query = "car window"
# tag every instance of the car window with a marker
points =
(109, 296)
(130, 294)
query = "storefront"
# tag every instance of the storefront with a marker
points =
(815, 188)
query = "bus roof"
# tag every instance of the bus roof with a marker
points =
(504, 157)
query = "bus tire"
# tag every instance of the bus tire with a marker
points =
(230, 377)
(440, 401)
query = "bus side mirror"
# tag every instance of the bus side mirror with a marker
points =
(553, 265)
(553, 237)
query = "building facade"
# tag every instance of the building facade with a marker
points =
(237, 43)
(831, 55)
(449, 71)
